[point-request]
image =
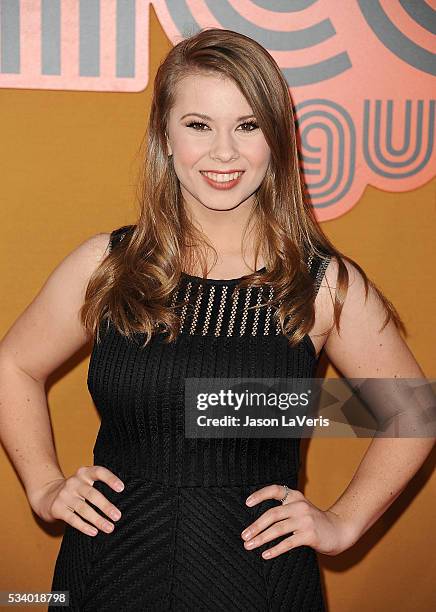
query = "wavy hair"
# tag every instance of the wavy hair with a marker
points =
(132, 285)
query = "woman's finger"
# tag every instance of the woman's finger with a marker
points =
(265, 520)
(100, 501)
(67, 506)
(91, 473)
(75, 521)
(82, 508)
(278, 529)
(274, 491)
(297, 539)
(291, 509)
(71, 503)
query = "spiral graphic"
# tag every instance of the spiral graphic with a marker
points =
(418, 137)
(398, 41)
(306, 38)
(332, 166)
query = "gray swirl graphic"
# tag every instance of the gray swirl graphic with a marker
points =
(284, 6)
(272, 40)
(338, 127)
(421, 13)
(423, 137)
(395, 40)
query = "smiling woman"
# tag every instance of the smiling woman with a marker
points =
(161, 520)
(229, 153)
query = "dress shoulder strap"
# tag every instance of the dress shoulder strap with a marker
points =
(118, 234)
(317, 266)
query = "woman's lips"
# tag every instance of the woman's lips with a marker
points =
(224, 185)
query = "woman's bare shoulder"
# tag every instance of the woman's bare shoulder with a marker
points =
(49, 330)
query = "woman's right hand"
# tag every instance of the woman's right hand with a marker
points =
(58, 498)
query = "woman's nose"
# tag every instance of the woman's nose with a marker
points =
(224, 147)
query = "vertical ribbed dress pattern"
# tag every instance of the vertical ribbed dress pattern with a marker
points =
(178, 546)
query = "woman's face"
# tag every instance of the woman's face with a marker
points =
(227, 141)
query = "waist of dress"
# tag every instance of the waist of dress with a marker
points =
(225, 476)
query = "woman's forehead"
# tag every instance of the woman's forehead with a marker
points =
(200, 93)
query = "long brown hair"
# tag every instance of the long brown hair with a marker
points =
(132, 285)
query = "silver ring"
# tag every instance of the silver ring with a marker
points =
(286, 493)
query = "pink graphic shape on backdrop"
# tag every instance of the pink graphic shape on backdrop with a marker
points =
(30, 74)
(363, 93)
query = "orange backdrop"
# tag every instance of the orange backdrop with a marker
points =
(68, 161)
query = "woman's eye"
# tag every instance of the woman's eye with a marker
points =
(252, 125)
(193, 123)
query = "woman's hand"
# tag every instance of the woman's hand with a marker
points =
(322, 530)
(66, 499)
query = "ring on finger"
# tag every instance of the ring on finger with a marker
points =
(286, 493)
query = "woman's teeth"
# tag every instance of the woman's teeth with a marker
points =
(222, 178)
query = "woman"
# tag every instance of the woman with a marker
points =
(218, 523)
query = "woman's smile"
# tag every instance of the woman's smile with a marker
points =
(222, 181)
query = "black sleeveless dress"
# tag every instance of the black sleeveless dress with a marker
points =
(177, 545)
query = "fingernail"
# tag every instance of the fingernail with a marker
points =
(250, 544)
(119, 486)
(246, 534)
(250, 500)
(115, 515)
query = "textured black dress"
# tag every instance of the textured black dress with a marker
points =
(177, 545)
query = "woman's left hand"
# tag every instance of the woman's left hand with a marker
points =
(322, 530)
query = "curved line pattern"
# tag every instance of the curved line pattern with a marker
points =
(407, 125)
(270, 39)
(332, 117)
(282, 6)
(182, 18)
(395, 40)
(419, 136)
(327, 69)
(273, 40)
(421, 13)
(378, 137)
(328, 152)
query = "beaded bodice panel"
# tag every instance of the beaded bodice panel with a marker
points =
(212, 307)
(214, 311)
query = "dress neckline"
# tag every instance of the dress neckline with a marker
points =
(219, 281)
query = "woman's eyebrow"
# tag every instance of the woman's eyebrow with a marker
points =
(210, 118)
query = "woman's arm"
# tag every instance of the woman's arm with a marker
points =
(45, 335)
(386, 468)
(25, 428)
(361, 351)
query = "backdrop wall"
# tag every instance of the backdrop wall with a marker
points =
(68, 167)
